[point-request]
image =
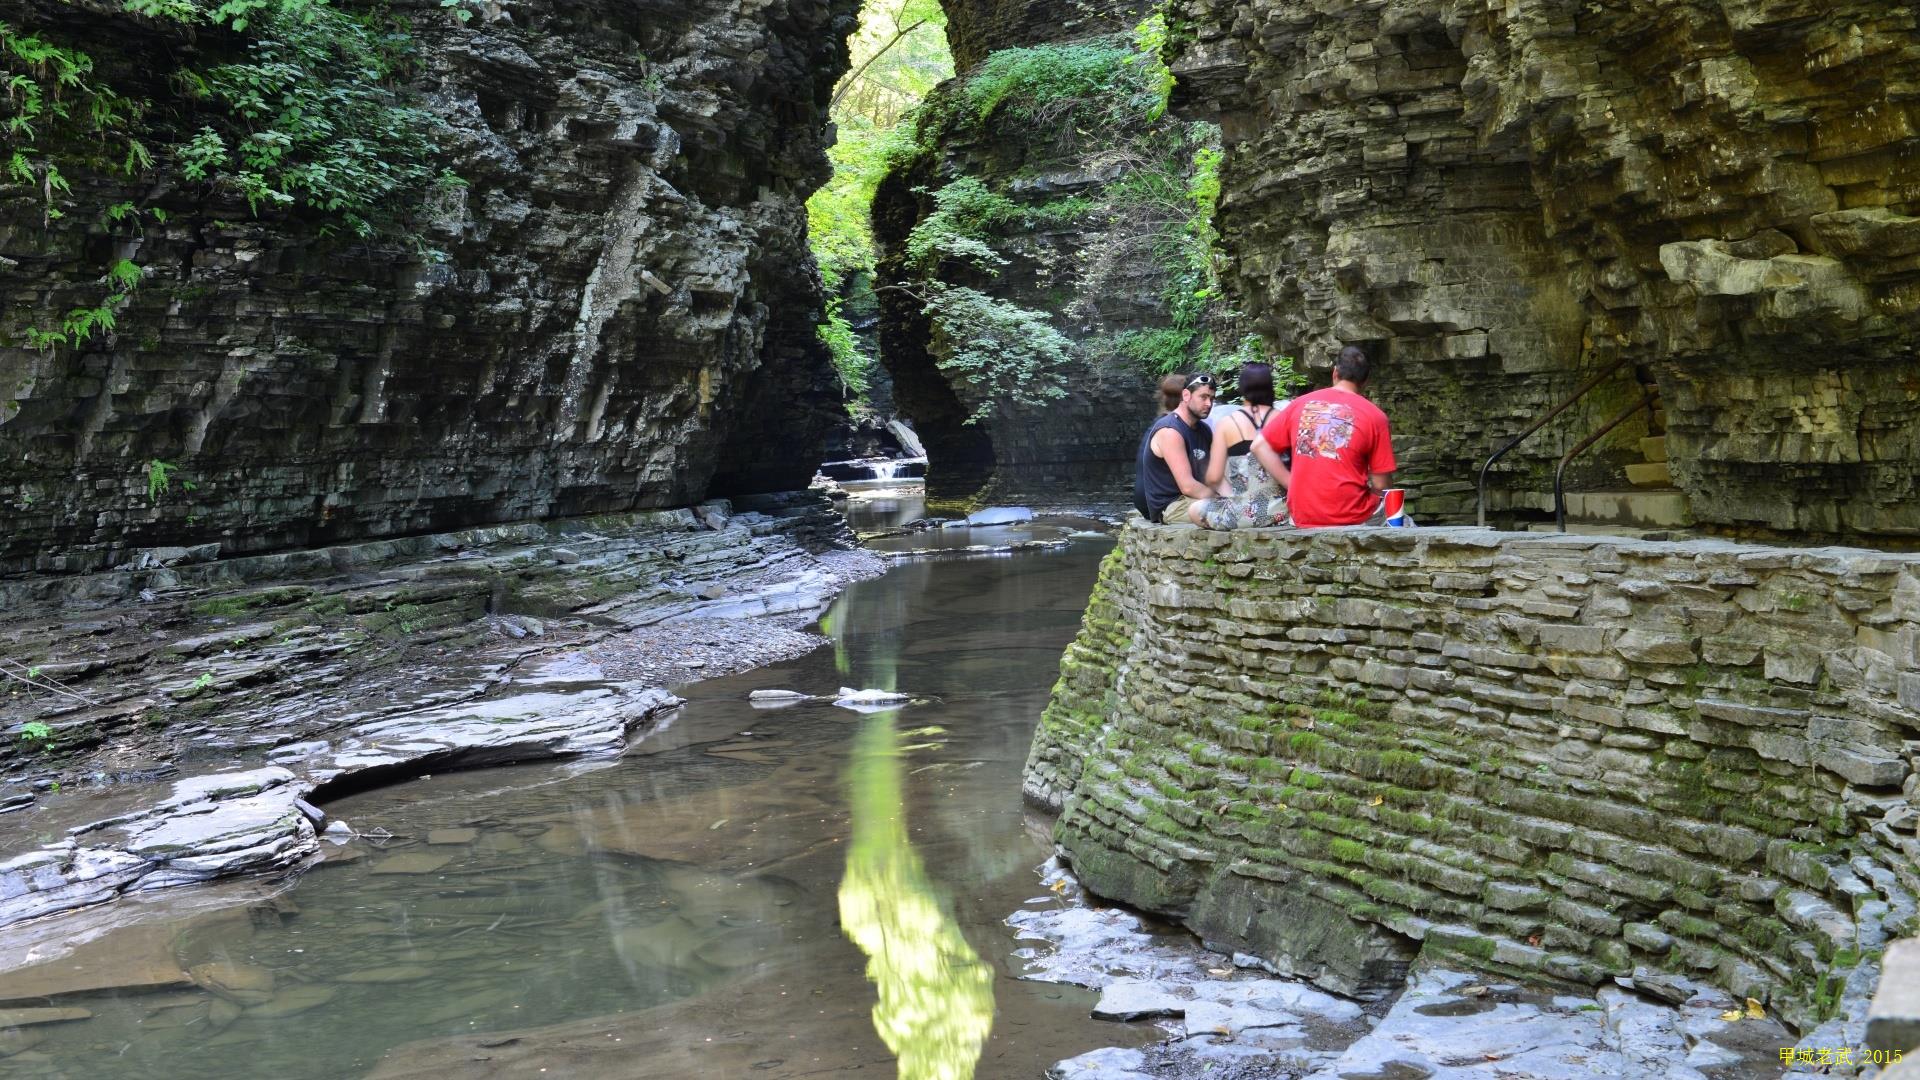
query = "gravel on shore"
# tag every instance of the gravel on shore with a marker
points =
(687, 650)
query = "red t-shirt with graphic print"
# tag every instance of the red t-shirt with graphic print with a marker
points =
(1338, 439)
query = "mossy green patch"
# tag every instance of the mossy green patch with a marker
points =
(1306, 743)
(1347, 850)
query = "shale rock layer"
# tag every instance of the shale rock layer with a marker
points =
(1555, 757)
(1500, 198)
(623, 318)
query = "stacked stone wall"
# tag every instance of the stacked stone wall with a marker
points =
(1554, 756)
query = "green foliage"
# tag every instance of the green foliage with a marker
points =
(1160, 351)
(159, 478)
(898, 55)
(1045, 81)
(462, 10)
(1093, 108)
(54, 98)
(35, 732)
(965, 211)
(1287, 379)
(839, 225)
(1150, 40)
(854, 367)
(311, 119)
(1004, 353)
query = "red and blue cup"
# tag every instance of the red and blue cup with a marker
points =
(1394, 506)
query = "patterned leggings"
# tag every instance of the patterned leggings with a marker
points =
(1246, 512)
(1257, 502)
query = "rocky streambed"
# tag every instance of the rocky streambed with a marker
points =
(1227, 1017)
(711, 897)
(176, 721)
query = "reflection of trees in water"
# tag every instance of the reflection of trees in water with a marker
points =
(936, 995)
(868, 626)
(968, 631)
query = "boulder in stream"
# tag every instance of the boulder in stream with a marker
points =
(870, 700)
(1000, 515)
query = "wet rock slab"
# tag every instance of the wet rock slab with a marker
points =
(1223, 1019)
(136, 959)
(395, 667)
(1227, 1020)
(208, 827)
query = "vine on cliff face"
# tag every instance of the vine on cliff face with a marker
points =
(311, 120)
(1000, 351)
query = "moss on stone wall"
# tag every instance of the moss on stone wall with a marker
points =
(1561, 757)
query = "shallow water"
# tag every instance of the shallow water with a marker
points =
(877, 510)
(750, 891)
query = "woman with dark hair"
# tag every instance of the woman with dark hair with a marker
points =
(1170, 388)
(1254, 499)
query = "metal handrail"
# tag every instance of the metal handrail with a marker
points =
(1559, 474)
(1537, 425)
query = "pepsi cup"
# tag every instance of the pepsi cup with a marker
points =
(1394, 506)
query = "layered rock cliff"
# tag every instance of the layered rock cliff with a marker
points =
(623, 315)
(1501, 198)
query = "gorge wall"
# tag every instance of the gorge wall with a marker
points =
(1501, 198)
(1046, 186)
(623, 315)
(1553, 756)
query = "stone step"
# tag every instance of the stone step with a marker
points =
(1658, 422)
(1654, 448)
(1581, 528)
(1650, 474)
(1635, 509)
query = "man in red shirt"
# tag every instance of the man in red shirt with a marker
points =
(1342, 449)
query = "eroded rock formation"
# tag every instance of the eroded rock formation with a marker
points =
(1500, 198)
(624, 317)
(1557, 757)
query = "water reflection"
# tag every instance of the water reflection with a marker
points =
(936, 995)
(685, 912)
(875, 511)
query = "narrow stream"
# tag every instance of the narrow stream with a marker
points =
(780, 892)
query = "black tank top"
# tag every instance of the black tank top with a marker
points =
(1245, 446)
(1153, 486)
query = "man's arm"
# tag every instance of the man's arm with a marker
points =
(1380, 463)
(1270, 461)
(1217, 461)
(1169, 447)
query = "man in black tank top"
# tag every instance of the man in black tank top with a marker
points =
(1169, 486)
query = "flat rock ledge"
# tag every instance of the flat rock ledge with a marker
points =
(252, 821)
(309, 675)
